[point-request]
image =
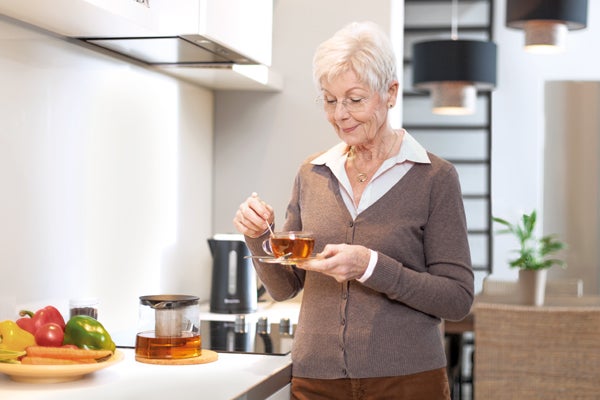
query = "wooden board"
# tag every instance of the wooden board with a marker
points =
(207, 356)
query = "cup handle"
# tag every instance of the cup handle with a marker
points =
(266, 245)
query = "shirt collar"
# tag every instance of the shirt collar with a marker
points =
(411, 150)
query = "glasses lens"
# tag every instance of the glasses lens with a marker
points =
(351, 105)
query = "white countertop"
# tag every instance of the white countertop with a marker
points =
(232, 376)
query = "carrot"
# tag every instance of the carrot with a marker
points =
(67, 353)
(55, 361)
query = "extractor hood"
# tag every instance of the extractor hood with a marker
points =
(194, 58)
(221, 44)
(186, 50)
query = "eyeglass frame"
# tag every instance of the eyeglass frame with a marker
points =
(330, 106)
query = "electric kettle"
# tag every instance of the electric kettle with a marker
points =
(234, 284)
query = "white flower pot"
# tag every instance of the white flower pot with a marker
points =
(532, 286)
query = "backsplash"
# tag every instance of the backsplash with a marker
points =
(105, 177)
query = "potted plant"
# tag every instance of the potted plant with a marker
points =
(534, 256)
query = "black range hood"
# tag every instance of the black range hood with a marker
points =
(187, 50)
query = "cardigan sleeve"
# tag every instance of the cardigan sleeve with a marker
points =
(282, 282)
(445, 288)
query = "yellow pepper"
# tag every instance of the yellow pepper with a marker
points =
(14, 338)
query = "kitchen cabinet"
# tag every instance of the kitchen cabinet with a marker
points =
(72, 18)
(241, 26)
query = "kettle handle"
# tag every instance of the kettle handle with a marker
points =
(211, 244)
(260, 291)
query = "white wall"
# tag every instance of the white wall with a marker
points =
(518, 129)
(105, 177)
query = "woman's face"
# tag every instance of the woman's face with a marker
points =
(356, 112)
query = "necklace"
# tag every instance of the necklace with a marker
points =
(362, 177)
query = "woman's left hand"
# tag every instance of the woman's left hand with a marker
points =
(343, 262)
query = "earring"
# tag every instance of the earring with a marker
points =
(390, 105)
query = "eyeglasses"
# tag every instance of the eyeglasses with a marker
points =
(356, 104)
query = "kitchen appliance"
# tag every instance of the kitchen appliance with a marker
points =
(190, 50)
(169, 328)
(234, 284)
(242, 336)
(187, 33)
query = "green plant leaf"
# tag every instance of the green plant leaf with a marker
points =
(533, 251)
(501, 221)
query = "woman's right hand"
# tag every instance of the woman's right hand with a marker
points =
(253, 217)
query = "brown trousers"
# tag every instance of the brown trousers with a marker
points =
(429, 385)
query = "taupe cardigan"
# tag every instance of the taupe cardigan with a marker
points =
(388, 325)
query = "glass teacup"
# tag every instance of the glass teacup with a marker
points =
(291, 244)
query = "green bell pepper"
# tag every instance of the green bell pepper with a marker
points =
(87, 333)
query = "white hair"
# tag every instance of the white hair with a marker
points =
(361, 47)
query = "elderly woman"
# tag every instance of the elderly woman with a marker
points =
(393, 258)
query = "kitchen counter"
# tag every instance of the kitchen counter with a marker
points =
(232, 376)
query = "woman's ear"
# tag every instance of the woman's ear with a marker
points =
(393, 93)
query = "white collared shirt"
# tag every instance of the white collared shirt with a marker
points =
(390, 173)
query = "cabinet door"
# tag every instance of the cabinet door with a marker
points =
(244, 25)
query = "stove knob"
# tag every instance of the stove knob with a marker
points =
(240, 324)
(262, 326)
(285, 326)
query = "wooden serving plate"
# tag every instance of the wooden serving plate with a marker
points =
(207, 356)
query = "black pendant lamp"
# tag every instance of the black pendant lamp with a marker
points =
(546, 22)
(453, 71)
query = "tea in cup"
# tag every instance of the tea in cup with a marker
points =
(292, 244)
